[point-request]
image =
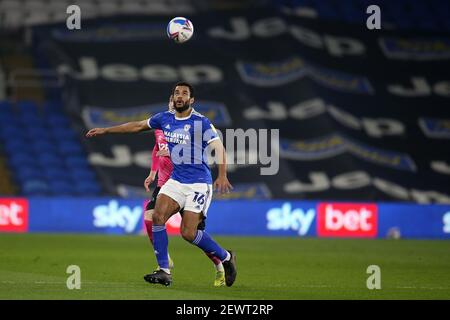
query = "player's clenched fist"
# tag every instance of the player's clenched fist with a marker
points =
(95, 132)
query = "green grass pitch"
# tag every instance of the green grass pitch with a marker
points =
(33, 266)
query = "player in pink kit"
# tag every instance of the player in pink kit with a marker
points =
(162, 165)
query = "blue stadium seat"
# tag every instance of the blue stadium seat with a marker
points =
(73, 162)
(6, 109)
(5, 106)
(6, 112)
(82, 173)
(87, 188)
(62, 188)
(38, 133)
(9, 120)
(47, 159)
(27, 107)
(56, 173)
(18, 160)
(53, 108)
(65, 133)
(44, 147)
(25, 173)
(30, 120)
(70, 148)
(17, 146)
(40, 126)
(57, 121)
(35, 187)
(12, 131)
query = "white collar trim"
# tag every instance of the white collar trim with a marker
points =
(185, 118)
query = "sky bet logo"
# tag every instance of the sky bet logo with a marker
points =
(286, 218)
(112, 216)
(13, 215)
(347, 220)
(333, 219)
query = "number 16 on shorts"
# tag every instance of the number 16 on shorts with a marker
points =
(199, 199)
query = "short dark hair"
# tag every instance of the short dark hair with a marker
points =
(185, 84)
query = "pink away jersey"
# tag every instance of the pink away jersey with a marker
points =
(163, 165)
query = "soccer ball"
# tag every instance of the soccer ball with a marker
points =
(180, 29)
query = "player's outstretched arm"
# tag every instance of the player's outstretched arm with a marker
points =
(221, 184)
(129, 127)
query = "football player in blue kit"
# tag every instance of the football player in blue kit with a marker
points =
(190, 187)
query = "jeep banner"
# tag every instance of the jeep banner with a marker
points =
(361, 115)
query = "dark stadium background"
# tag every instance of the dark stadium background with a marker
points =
(364, 138)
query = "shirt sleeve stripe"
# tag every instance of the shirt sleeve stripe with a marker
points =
(148, 123)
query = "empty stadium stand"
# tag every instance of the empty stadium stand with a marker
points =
(43, 153)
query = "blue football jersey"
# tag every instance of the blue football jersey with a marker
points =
(187, 139)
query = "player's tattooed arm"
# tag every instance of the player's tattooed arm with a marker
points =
(221, 184)
(129, 127)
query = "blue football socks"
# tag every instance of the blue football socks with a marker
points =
(161, 243)
(207, 244)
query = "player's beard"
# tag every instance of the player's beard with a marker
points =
(183, 108)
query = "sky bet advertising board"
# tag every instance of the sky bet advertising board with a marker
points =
(233, 217)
